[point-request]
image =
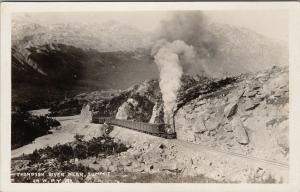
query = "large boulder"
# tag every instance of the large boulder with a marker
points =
(198, 126)
(212, 123)
(135, 108)
(124, 111)
(240, 133)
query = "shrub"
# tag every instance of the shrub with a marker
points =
(62, 152)
(78, 137)
(269, 179)
(34, 157)
(79, 149)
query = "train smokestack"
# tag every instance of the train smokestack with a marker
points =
(170, 121)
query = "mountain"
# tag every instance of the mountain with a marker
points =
(230, 50)
(51, 62)
(241, 50)
(66, 59)
(70, 69)
(106, 37)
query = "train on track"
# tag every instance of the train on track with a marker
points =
(160, 130)
(166, 131)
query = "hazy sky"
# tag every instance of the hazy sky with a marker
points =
(273, 24)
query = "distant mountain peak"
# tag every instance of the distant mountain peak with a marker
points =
(104, 37)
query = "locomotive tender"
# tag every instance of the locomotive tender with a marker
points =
(159, 130)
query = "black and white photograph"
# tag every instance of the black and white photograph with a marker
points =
(150, 96)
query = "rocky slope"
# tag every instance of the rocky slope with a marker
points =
(140, 102)
(236, 114)
(245, 115)
(249, 117)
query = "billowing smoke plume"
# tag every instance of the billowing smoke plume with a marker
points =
(175, 52)
(192, 28)
(188, 26)
(171, 58)
(221, 49)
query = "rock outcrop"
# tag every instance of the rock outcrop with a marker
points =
(248, 116)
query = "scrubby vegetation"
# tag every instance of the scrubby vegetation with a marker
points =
(67, 107)
(269, 180)
(79, 149)
(192, 87)
(63, 158)
(25, 127)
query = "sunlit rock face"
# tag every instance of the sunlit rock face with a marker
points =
(249, 116)
(157, 113)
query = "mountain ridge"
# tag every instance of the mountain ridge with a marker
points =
(69, 56)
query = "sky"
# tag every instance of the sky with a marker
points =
(271, 23)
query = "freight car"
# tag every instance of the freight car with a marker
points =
(160, 130)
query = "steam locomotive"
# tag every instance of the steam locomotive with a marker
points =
(159, 130)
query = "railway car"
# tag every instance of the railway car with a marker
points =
(160, 130)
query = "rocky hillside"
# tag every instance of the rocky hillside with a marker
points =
(140, 102)
(135, 103)
(233, 114)
(249, 116)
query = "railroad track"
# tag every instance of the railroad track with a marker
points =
(158, 131)
(217, 93)
(195, 146)
(251, 158)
